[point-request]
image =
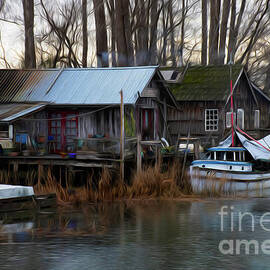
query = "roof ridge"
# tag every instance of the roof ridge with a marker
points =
(75, 69)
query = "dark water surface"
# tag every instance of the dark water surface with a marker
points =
(137, 235)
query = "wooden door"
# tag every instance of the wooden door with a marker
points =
(63, 128)
(147, 124)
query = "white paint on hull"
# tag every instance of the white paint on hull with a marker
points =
(203, 180)
(10, 191)
(233, 166)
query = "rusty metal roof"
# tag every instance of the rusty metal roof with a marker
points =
(13, 111)
(19, 85)
(87, 86)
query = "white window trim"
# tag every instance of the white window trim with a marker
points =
(257, 119)
(214, 126)
(241, 116)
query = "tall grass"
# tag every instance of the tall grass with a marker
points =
(151, 182)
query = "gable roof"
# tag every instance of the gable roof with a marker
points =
(88, 86)
(204, 83)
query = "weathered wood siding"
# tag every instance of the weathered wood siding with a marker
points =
(33, 127)
(104, 122)
(190, 119)
(250, 101)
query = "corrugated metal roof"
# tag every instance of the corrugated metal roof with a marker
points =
(11, 112)
(76, 86)
(18, 85)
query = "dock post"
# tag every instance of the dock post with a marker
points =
(122, 139)
(40, 172)
(196, 150)
(157, 157)
(139, 156)
(15, 170)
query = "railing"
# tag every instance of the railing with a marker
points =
(105, 146)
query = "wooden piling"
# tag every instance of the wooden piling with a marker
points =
(139, 156)
(122, 139)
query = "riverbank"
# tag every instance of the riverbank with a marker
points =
(151, 183)
(157, 182)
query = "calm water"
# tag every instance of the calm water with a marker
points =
(137, 235)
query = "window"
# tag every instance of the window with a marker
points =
(240, 118)
(230, 156)
(257, 119)
(211, 120)
(229, 119)
(220, 155)
(4, 131)
(63, 128)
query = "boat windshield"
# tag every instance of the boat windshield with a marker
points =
(225, 155)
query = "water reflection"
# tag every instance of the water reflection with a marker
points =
(134, 235)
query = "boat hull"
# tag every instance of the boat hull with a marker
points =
(206, 180)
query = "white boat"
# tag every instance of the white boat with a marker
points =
(232, 169)
(12, 191)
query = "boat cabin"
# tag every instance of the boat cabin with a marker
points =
(229, 159)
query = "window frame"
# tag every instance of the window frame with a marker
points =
(257, 119)
(211, 127)
(64, 118)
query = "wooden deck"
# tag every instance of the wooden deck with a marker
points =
(53, 159)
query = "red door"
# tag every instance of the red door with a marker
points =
(63, 128)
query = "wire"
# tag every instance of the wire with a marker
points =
(253, 139)
(67, 117)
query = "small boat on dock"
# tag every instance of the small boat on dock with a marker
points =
(18, 198)
(232, 169)
(11, 191)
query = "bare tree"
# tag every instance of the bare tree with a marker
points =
(111, 11)
(123, 34)
(182, 37)
(84, 33)
(234, 29)
(172, 34)
(64, 32)
(154, 16)
(101, 34)
(204, 33)
(29, 48)
(214, 30)
(255, 33)
(223, 31)
(141, 29)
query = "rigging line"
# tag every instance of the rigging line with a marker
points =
(253, 139)
(66, 117)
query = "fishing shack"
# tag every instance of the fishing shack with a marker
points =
(72, 117)
(203, 94)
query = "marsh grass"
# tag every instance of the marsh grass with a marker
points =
(152, 182)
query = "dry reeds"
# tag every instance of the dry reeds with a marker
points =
(151, 182)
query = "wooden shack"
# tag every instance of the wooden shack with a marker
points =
(203, 97)
(57, 114)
